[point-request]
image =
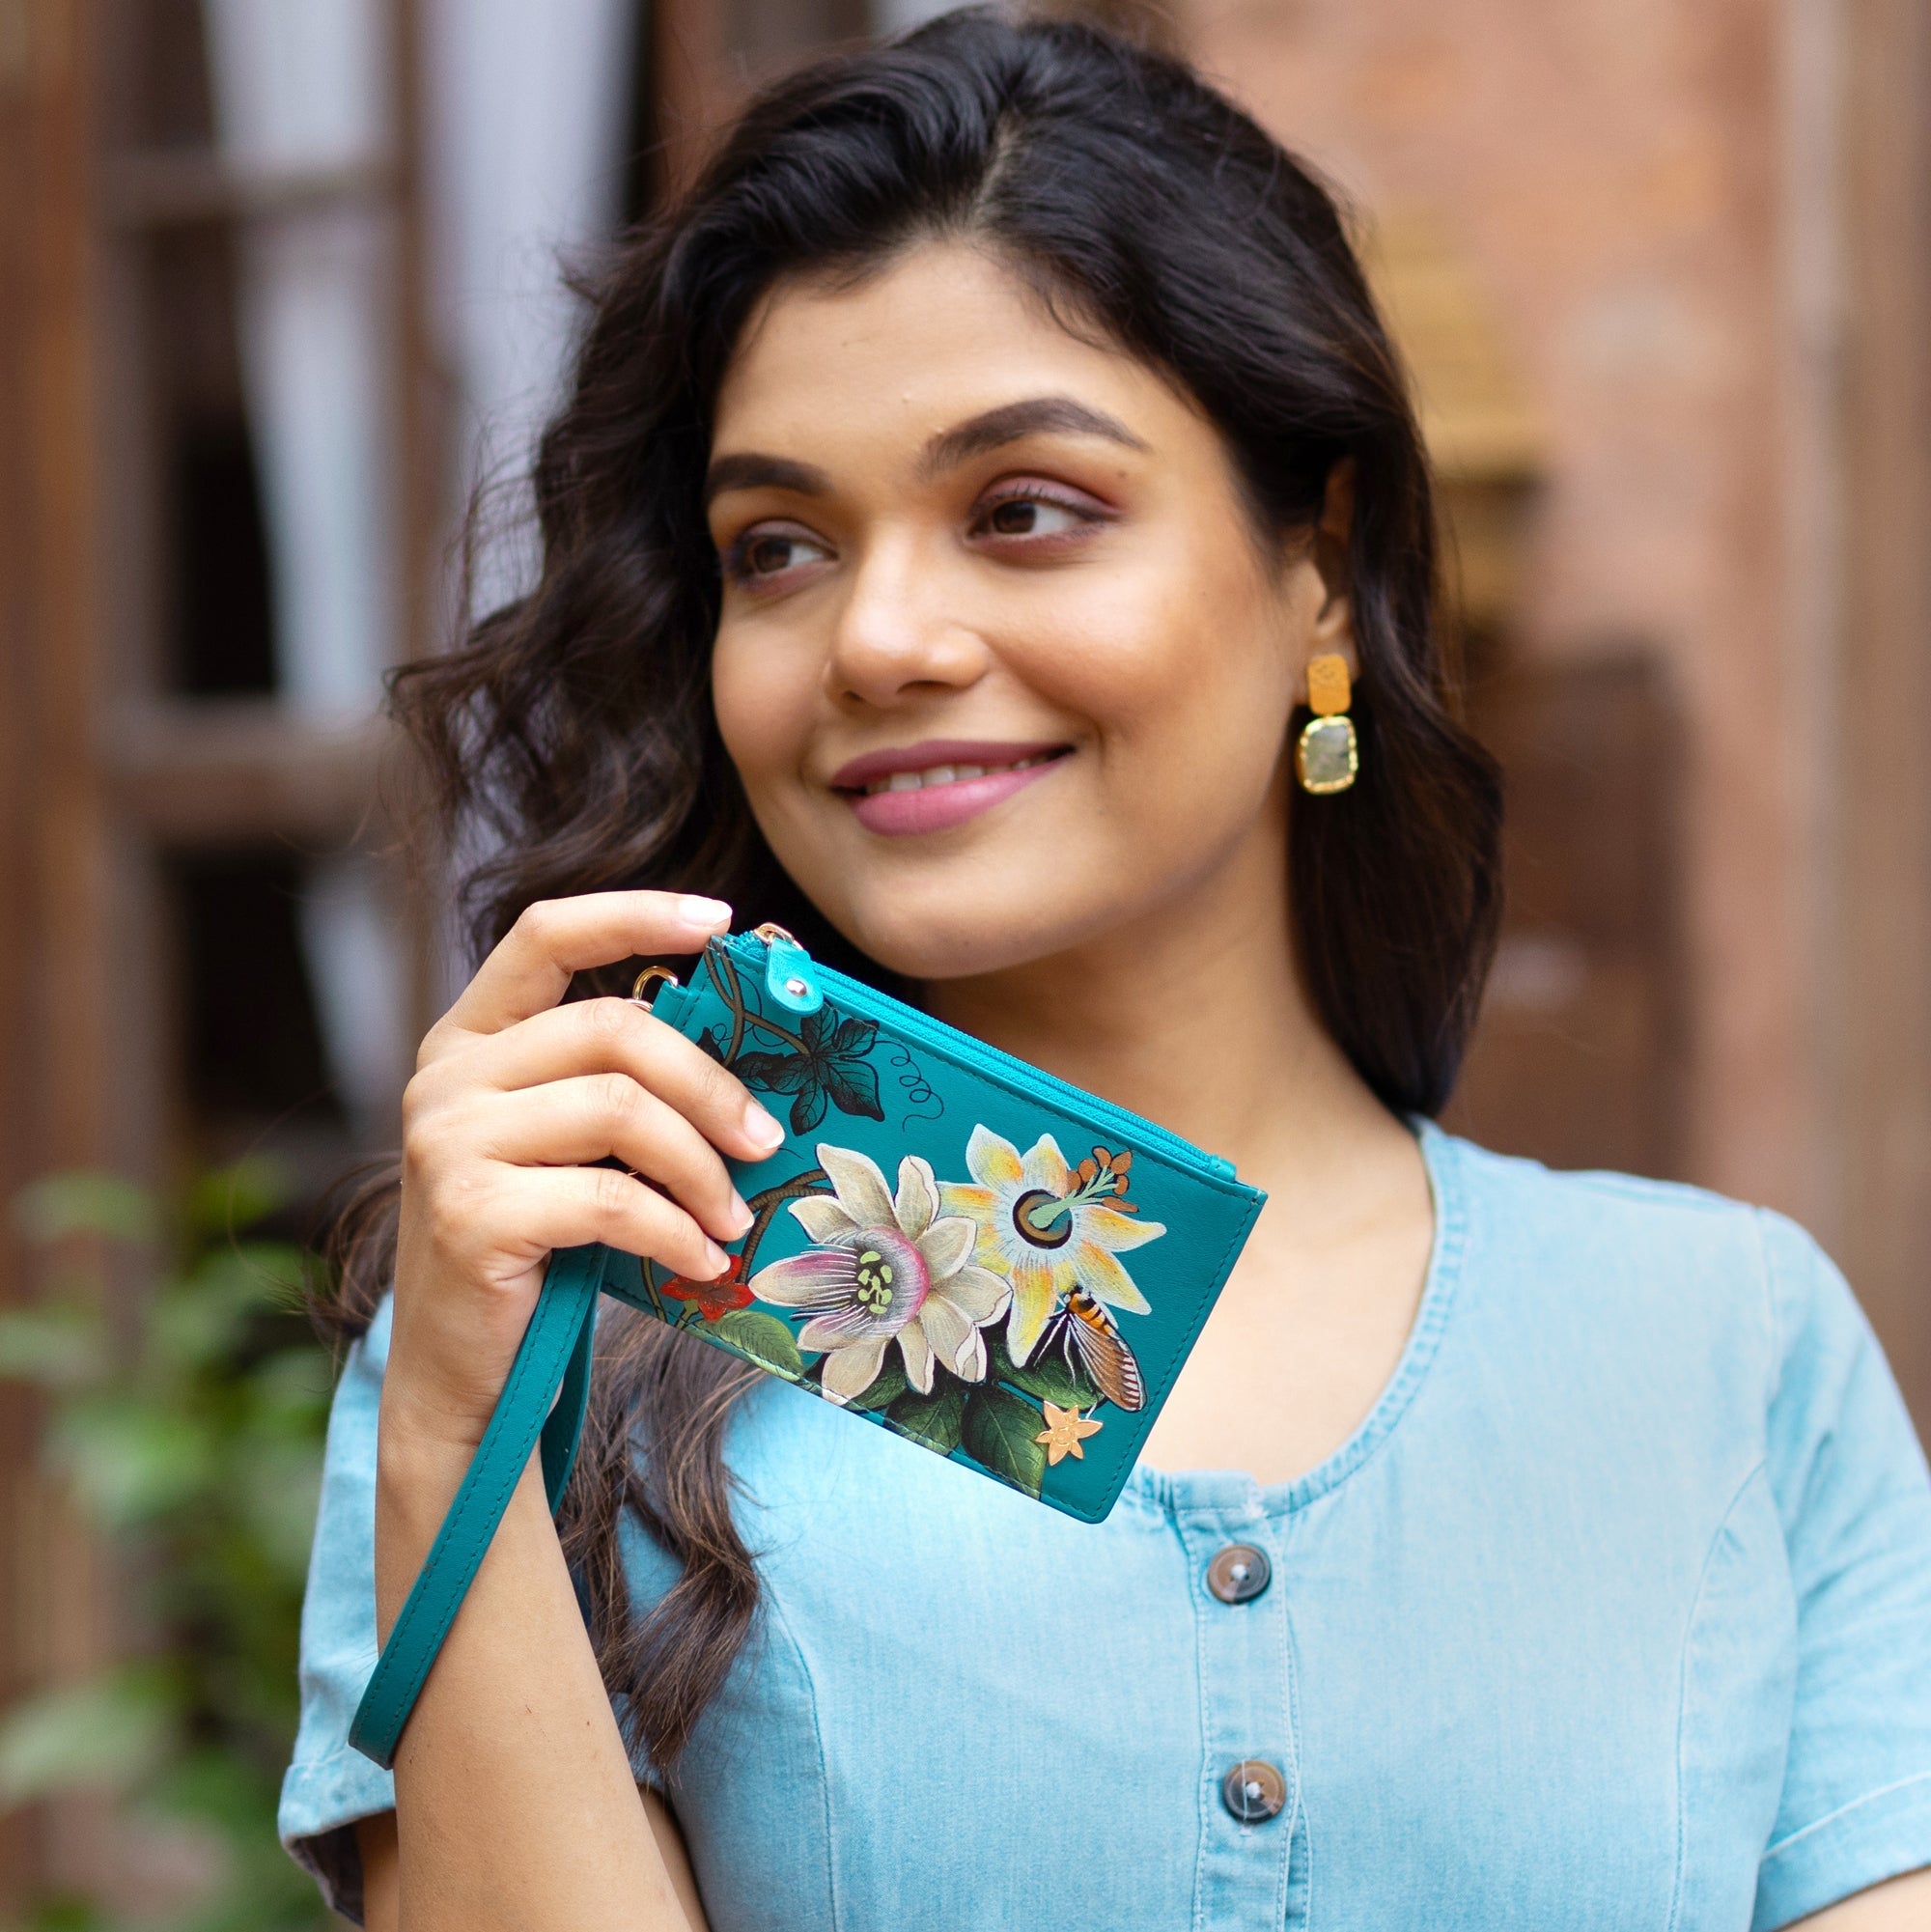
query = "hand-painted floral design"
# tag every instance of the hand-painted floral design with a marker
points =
(829, 1063)
(715, 1298)
(1048, 1228)
(882, 1270)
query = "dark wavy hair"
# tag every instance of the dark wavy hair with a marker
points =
(576, 724)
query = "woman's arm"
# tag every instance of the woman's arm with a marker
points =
(377, 1840)
(1899, 1905)
(515, 1800)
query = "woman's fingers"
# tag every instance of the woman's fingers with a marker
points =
(596, 1115)
(595, 1036)
(513, 1098)
(537, 1210)
(531, 967)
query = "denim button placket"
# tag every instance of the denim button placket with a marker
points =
(1246, 1714)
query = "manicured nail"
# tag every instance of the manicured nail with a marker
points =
(742, 1215)
(697, 910)
(720, 1261)
(760, 1130)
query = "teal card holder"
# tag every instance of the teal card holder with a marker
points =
(950, 1244)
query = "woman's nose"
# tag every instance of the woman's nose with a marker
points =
(901, 629)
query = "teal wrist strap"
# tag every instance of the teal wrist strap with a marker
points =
(555, 1354)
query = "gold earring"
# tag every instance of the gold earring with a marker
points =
(1329, 754)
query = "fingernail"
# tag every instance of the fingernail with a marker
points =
(720, 1261)
(702, 912)
(742, 1217)
(761, 1129)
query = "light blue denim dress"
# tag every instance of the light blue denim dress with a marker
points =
(1614, 1613)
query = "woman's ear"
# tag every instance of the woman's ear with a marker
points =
(1333, 628)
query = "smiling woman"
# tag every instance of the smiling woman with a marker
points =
(1038, 557)
(966, 494)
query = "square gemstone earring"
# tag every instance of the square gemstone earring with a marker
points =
(1329, 754)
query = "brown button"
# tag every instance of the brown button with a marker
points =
(1253, 1791)
(1238, 1574)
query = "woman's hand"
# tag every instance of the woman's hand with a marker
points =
(513, 1098)
(516, 1800)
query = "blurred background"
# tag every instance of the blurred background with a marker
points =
(278, 284)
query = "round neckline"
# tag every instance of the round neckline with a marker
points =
(1212, 1487)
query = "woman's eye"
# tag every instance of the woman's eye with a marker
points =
(759, 555)
(1027, 517)
(1033, 516)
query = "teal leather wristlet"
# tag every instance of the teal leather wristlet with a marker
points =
(952, 1244)
(553, 1361)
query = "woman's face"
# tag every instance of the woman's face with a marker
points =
(1000, 661)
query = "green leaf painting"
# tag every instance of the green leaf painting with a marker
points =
(936, 1421)
(767, 1340)
(828, 1064)
(1046, 1376)
(998, 1432)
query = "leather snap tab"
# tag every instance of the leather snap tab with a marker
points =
(1238, 1574)
(1253, 1791)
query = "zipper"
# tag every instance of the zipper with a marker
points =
(786, 960)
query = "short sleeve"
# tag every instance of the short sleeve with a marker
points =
(1855, 1498)
(330, 1784)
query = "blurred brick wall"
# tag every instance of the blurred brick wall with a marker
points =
(1615, 176)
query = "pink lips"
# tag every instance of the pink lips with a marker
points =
(935, 807)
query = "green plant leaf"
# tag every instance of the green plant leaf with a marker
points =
(192, 1436)
(935, 1420)
(131, 1460)
(887, 1386)
(59, 1204)
(238, 1196)
(295, 1386)
(999, 1430)
(767, 1340)
(104, 1734)
(280, 1486)
(58, 1346)
(64, 1912)
(278, 1269)
(200, 1319)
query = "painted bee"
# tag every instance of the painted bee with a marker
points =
(1083, 1328)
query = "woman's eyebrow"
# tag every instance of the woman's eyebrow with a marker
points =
(752, 470)
(1035, 415)
(991, 430)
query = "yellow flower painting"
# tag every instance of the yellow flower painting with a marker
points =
(1049, 1227)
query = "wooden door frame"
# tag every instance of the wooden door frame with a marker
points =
(98, 772)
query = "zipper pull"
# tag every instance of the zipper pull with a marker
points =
(789, 977)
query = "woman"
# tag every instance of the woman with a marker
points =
(954, 495)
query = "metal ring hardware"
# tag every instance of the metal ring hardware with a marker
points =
(645, 978)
